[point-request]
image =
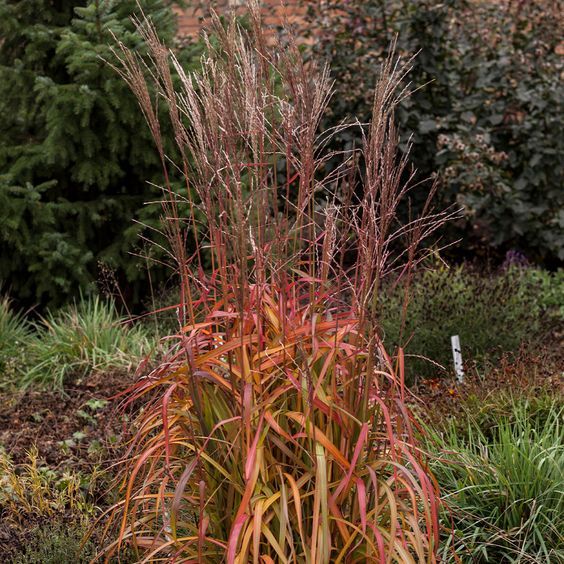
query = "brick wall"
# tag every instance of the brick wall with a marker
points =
(191, 19)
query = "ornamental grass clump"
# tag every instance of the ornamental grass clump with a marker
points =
(87, 336)
(503, 487)
(275, 427)
(15, 334)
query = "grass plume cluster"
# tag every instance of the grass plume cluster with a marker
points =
(275, 428)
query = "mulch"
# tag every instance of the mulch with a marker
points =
(48, 420)
(64, 428)
(528, 373)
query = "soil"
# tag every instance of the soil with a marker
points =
(78, 430)
(49, 420)
(527, 374)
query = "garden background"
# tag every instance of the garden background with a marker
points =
(83, 253)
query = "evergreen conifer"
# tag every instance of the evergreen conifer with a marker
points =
(76, 158)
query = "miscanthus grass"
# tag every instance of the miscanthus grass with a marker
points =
(275, 429)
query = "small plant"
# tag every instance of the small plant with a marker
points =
(56, 543)
(32, 491)
(504, 489)
(15, 334)
(275, 428)
(87, 336)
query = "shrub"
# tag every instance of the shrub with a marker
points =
(486, 116)
(504, 493)
(498, 146)
(14, 337)
(75, 159)
(491, 314)
(80, 338)
(276, 428)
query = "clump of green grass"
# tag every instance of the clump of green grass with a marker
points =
(15, 333)
(56, 543)
(500, 406)
(492, 314)
(87, 336)
(504, 487)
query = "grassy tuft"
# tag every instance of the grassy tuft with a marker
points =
(15, 333)
(504, 487)
(80, 338)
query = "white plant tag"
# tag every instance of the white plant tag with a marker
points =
(457, 357)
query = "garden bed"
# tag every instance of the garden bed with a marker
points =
(52, 439)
